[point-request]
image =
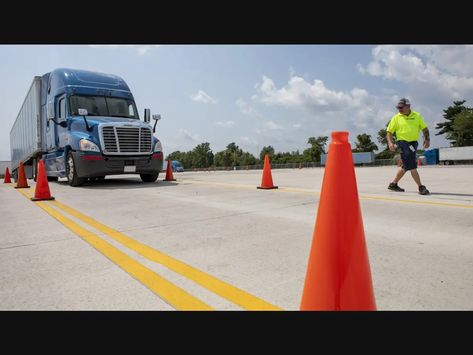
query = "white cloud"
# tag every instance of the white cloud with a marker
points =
(315, 97)
(272, 125)
(249, 141)
(323, 110)
(203, 97)
(228, 124)
(292, 72)
(244, 107)
(140, 49)
(187, 136)
(435, 71)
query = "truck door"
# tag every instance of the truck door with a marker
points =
(55, 134)
(50, 129)
(61, 132)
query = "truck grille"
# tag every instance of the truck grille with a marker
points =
(126, 140)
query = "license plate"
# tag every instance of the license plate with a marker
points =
(130, 168)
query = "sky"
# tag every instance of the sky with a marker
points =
(256, 95)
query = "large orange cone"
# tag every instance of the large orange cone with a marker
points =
(41, 191)
(338, 273)
(267, 179)
(169, 176)
(7, 179)
(21, 183)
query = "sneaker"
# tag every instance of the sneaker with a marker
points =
(423, 190)
(395, 187)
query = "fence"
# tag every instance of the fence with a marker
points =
(378, 162)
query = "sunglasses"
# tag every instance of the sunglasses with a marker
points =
(400, 107)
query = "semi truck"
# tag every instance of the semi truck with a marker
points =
(85, 126)
(456, 155)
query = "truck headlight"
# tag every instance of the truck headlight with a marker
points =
(158, 147)
(87, 145)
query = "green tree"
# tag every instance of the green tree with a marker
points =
(317, 148)
(235, 152)
(223, 158)
(233, 156)
(449, 114)
(364, 143)
(462, 127)
(202, 156)
(266, 150)
(246, 159)
(382, 138)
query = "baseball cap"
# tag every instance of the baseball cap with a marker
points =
(403, 102)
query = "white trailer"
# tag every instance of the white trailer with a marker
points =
(456, 155)
(26, 140)
(359, 158)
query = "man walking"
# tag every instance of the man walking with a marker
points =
(406, 125)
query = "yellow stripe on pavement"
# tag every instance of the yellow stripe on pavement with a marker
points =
(170, 293)
(225, 290)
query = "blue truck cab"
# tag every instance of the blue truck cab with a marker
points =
(89, 127)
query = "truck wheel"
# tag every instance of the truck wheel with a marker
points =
(71, 172)
(149, 177)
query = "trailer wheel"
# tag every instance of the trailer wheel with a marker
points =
(149, 177)
(71, 172)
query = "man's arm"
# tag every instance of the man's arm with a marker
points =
(389, 137)
(426, 137)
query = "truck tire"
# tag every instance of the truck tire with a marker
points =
(149, 177)
(71, 173)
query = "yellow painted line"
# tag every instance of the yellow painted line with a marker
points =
(223, 289)
(362, 197)
(252, 187)
(170, 293)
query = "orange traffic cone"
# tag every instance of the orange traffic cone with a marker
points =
(267, 179)
(21, 183)
(338, 273)
(7, 179)
(419, 162)
(41, 191)
(169, 176)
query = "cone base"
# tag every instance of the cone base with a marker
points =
(42, 198)
(266, 188)
(22, 187)
(170, 180)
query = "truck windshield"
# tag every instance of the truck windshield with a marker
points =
(103, 106)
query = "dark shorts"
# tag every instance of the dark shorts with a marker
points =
(408, 157)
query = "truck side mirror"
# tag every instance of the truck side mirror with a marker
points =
(156, 118)
(147, 115)
(83, 112)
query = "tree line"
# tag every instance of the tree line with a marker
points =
(458, 128)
